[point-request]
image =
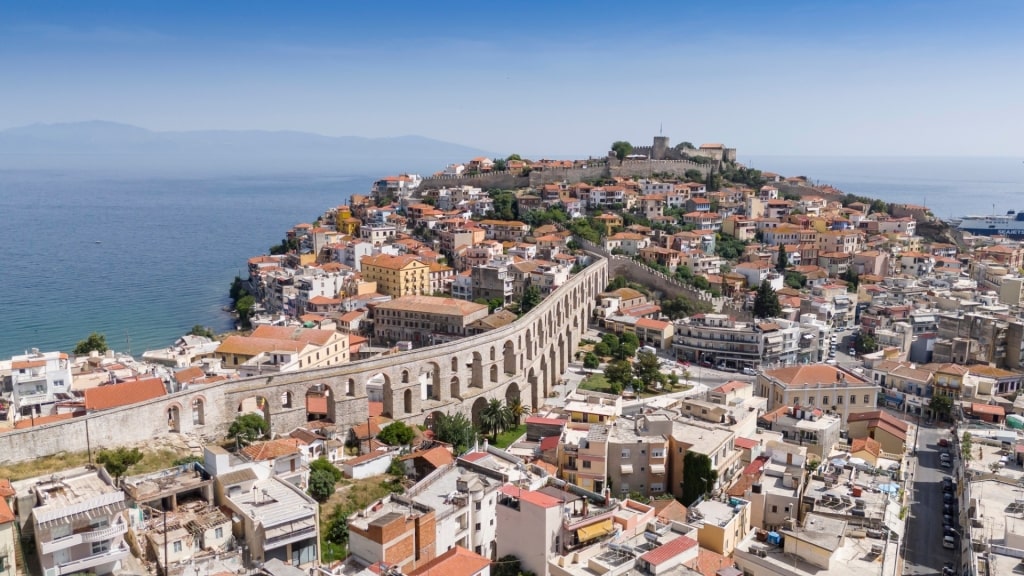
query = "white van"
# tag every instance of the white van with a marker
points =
(949, 542)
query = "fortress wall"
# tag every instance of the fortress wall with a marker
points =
(525, 358)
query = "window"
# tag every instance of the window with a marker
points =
(853, 399)
(176, 546)
(867, 399)
(97, 523)
(775, 509)
(824, 400)
(657, 487)
(100, 547)
(218, 533)
(586, 463)
(839, 399)
(625, 452)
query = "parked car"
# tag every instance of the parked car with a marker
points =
(949, 542)
(749, 371)
(943, 442)
(946, 464)
(947, 498)
(947, 520)
(853, 351)
(948, 569)
(945, 456)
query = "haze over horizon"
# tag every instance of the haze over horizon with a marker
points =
(871, 78)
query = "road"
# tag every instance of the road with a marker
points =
(924, 551)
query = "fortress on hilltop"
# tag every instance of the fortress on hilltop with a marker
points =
(644, 162)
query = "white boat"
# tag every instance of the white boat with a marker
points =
(1010, 225)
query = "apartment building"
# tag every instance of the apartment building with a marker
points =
(583, 456)
(494, 281)
(806, 426)
(504, 230)
(637, 455)
(36, 378)
(397, 275)
(425, 320)
(529, 527)
(77, 519)
(465, 508)
(718, 340)
(271, 349)
(831, 388)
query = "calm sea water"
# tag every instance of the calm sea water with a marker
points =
(168, 248)
(952, 187)
(137, 259)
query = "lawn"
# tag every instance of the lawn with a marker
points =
(506, 438)
(596, 383)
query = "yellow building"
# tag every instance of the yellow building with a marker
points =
(397, 276)
(583, 456)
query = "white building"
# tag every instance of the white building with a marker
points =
(36, 378)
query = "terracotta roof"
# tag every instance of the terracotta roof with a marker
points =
(987, 409)
(25, 364)
(305, 436)
(536, 498)
(881, 416)
(6, 489)
(812, 374)
(189, 374)
(652, 324)
(6, 516)
(311, 335)
(366, 458)
(732, 385)
(376, 409)
(131, 392)
(869, 445)
(548, 421)
(250, 346)
(433, 305)
(668, 509)
(669, 550)
(271, 449)
(436, 457)
(316, 404)
(709, 562)
(40, 420)
(456, 562)
(746, 443)
(549, 443)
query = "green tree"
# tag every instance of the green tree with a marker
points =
(698, 477)
(512, 157)
(507, 565)
(325, 465)
(516, 410)
(678, 307)
(966, 447)
(245, 308)
(237, 290)
(941, 406)
(494, 418)
(191, 459)
(396, 434)
(591, 360)
(321, 485)
(118, 461)
(629, 338)
(618, 372)
(865, 343)
(852, 279)
(337, 528)
(766, 301)
(248, 428)
(618, 282)
(626, 350)
(795, 280)
(602, 349)
(95, 342)
(500, 164)
(782, 262)
(622, 149)
(647, 369)
(200, 330)
(530, 299)
(455, 429)
(693, 175)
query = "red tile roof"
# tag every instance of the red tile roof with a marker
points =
(709, 562)
(6, 516)
(5, 488)
(376, 409)
(456, 562)
(745, 443)
(987, 409)
(189, 374)
(316, 404)
(131, 392)
(669, 509)
(40, 420)
(669, 550)
(869, 445)
(536, 498)
(549, 443)
(272, 449)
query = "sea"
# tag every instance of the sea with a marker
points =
(140, 260)
(143, 259)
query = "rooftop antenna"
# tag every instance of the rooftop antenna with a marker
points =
(661, 129)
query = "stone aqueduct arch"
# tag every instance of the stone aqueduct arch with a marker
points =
(529, 354)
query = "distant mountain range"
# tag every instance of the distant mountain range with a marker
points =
(110, 146)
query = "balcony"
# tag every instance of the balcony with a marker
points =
(108, 533)
(82, 565)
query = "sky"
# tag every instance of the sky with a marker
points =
(866, 78)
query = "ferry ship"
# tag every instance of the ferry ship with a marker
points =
(1010, 225)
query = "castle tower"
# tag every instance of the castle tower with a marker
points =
(660, 148)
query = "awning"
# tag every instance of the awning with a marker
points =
(626, 469)
(595, 530)
(657, 469)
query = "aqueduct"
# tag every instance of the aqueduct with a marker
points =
(524, 359)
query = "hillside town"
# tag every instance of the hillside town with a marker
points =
(778, 379)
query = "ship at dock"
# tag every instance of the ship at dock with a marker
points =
(1010, 225)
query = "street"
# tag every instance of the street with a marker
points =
(923, 544)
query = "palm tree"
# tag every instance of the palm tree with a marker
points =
(494, 418)
(517, 409)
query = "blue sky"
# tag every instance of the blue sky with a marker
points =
(804, 78)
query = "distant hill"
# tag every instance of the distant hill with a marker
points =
(110, 146)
